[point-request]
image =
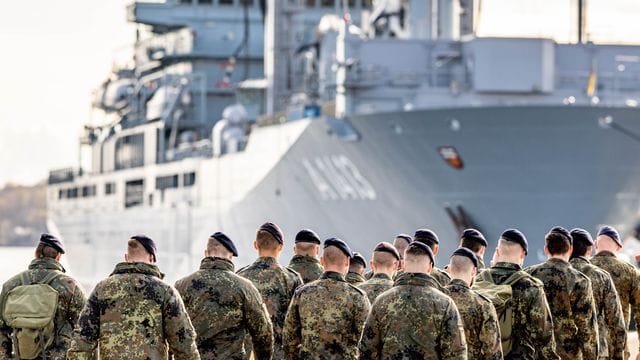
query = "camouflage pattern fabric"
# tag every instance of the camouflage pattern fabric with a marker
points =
(481, 325)
(480, 264)
(325, 320)
(627, 281)
(611, 325)
(276, 285)
(70, 302)
(375, 286)
(308, 267)
(413, 320)
(223, 308)
(354, 278)
(570, 299)
(532, 334)
(441, 276)
(133, 314)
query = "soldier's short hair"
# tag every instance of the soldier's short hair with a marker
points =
(416, 251)
(579, 249)
(471, 245)
(135, 248)
(266, 241)
(333, 255)
(461, 264)
(306, 246)
(46, 251)
(215, 247)
(383, 259)
(557, 243)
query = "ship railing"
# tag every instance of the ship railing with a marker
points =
(59, 176)
(376, 76)
(609, 83)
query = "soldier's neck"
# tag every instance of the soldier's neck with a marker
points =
(266, 253)
(564, 257)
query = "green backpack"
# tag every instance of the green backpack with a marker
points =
(30, 310)
(501, 296)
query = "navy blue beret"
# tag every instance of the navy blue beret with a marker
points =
(274, 230)
(582, 236)
(611, 232)
(388, 248)
(307, 236)
(148, 244)
(425, 248)
(461, 251)
(357, 257)
(562, 231)
(427, 235)
(404, 237)
(514, 235)
(53, 242)
(340, 245)
(225, 241)
(475, 236)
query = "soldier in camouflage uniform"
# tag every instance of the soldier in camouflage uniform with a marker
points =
(481, 326)
(357, 265)
(70, 301)
(624, 275)
(430, 238)
(475, 241)
(400, 242)
(385, 261)
(326, 317)
(532, 332)
(305, 261)
(133, 314)
(570, 299)
(224, 307)
(611, 328)
(275, 283)
(413, 320)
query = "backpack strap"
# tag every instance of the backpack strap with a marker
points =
(486, 276)
(25, 279)
(51, 276)
(515, 277)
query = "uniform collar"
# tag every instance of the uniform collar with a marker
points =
(305, 258)
(459, 283)
(355, 275)
(416, 279)
(46, 263)
(137, 268)
(267, 260)
(605, 253)
(216, 263)
(556, 262)
(579, 260)
(332, 275)
(381, 276)
(508, 266)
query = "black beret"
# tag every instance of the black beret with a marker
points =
(357, 257)
(388, 248)
(514, 235)
(581, 236)
(340, 245)
(424, 247)
(53, 242)
(274, 230)
(148, 244)
(404, 237)
(562, 231)
(611, 232)
(426, 234)
(307, 236)
(461, 251)
(225, 241)
(475, 236)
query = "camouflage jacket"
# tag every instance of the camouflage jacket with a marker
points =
(308, 267)
(481, 325)
(413, 320)
(70, 302)
(611, 328)
(626, 279)
(276, 285)
(325, 320)
(375, 286)
(133, 314)
(354, 278)
(532, 334)
(570, 298)
(223, 307)
(441, 276)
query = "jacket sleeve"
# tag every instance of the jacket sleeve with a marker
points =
(635, 296)
(614, 319)
(541, 335)
(371, 341)
(87, 330)
(292, 332)
(71, 308)
(5, 331)
(453, 344)
(178, 330)
(490, 334)
(586, 319)
(259, 325)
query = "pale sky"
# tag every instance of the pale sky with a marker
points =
(54, 53)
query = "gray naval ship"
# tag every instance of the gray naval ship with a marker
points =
(359, 121)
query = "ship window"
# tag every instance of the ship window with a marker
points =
(327, 3)
(130, 151)
(166, 182)
(205, 2)
(188, 179)
(134, 193)
(61, 194)
(109, 188)
(88, 191)
(225, 2)
(72, 193)
(186, 2)
(311, 3)
(246, 2)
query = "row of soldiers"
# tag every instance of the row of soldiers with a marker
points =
(326, 307)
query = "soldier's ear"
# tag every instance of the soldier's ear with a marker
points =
(206, 253)
(435, 249)
(255, 244)
(126, 258)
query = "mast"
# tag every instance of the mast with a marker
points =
(581, 20)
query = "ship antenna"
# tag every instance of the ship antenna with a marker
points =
(581, 20)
